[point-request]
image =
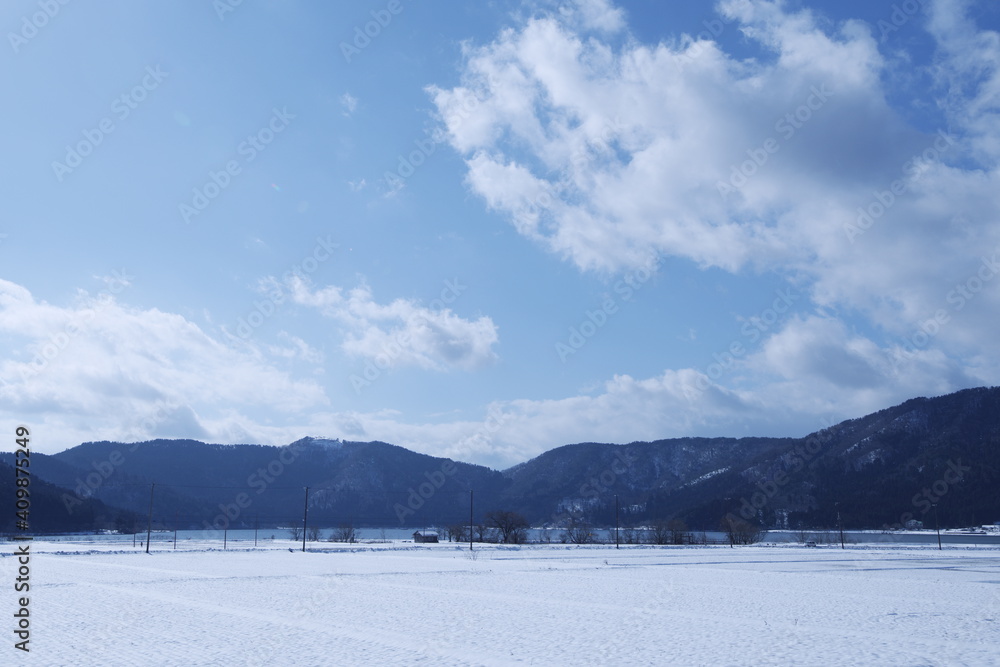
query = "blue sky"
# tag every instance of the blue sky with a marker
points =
(483, 230)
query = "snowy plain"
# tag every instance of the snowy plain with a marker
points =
(405, 604)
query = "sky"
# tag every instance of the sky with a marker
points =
(485, 230)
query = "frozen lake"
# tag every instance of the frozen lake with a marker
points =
(404, 604)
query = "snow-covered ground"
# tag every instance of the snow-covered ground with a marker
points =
(405, 604)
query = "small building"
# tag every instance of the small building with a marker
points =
(425, 536)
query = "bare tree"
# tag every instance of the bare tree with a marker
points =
(678, 531)
(512, 528)
(345, 532)
(579, 532)
(457, 532)
(296, 532)
(313, 533)
(483, 533)
(659, 533)
(739, 531)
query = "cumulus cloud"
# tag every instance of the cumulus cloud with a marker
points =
(404, 332)
(97, 368)
(798, 160)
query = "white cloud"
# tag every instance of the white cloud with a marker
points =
(594, 15)
(404, 332)
(608, 152)
(98, 369)
(349, 103)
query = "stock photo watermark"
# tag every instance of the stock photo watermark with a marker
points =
(799, 457)
(594, 320)
(31, 24)
(786, 126)
(883, 200)
(699, 44)
(929, 496)
(363, 35)
(101, 471)
(265, 309)
(59, 341)
(260, 480)
(902, 14)
(121, 107)
(402, 341)
(957, 298)
(752, 330)
(247, 151)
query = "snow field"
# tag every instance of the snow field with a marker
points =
(401, 604)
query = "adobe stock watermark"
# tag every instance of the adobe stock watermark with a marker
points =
(596, 487)
(101, 471)
(929, 496)
(223, 7)
(883, 200)
(901, 14)
(59, 341)
(418, 496)
(259, 481)
(786, 126)
(594, 320)
(957, 298)
(407, 165)
(266, 308)
(578, 161)
(424, 491)
(402, 341)
(799, 457)
(713, 29)
(363, 35)
(247, 151)
(33, 23)
(121, 108)
(752, 330)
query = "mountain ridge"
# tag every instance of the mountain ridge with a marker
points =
(880, 470)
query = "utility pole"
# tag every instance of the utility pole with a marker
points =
(840, 525)
(149, 522)
(256, 524)
(305, 520)
(176, 512)
(616, 522)
(470, 518)
(937, 526)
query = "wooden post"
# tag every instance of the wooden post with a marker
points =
(149, 522)
(616, 522)
(937, 526)
(305, 520)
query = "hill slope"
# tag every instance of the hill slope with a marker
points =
(879, 470)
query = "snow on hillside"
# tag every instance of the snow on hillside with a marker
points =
(403, 604)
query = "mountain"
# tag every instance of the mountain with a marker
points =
(926, 458)
(878, 471)
(199, 485)
(49, 511)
